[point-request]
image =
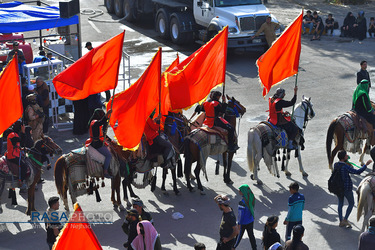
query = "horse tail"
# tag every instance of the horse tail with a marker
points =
(364, 190)
(250, 149)
(60, 176)
(330, 133)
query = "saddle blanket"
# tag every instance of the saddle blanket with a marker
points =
(271, 133)
(10, 168)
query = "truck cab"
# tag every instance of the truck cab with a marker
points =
(243, 18)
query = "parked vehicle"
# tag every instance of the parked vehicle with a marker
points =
(184, 21)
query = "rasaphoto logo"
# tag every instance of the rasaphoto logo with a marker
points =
(91, 217)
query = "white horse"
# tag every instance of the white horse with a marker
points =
(303, 112)
(365, 200)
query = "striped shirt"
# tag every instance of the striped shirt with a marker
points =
(296, 203)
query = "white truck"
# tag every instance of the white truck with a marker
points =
(184, 21)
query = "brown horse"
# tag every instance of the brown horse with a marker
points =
(77, 186)
(350, 141)
(36, 156)
(194, 152)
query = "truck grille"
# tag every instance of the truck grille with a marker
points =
(251, 23)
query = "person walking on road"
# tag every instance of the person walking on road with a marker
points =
(296, 243)
(367, 239)
(246, 215)
(363, 74)
(346, 168)
(228, 225)
(296, 203)
(270, 235)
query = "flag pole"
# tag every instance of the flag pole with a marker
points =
(225, 59)
(295, 85)
(160, 76)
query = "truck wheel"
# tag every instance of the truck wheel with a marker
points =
(119, 8)
(211, 34)
(129, 10)
(162, 24)
(176, 36)
(109, 6)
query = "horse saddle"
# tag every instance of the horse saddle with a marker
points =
(10, 168)
(212, 132)
(351, 121)
(279, 135)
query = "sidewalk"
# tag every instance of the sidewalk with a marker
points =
(324, 8)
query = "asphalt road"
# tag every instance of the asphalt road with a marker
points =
(327, 75)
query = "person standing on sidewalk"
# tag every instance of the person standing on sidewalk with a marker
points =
(367, 239)
(228, 225)
(296, 203)
(246, 215)
(346, 168)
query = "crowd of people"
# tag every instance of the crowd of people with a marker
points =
(353, 27)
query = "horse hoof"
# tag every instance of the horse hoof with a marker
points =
(217, 172)
(203, 193)
(115, 206)
(122, 208)
(252, 177)
(259, 182)
(1, 210)
(278, 176)
(287, 173)
(134, 196)
(191, 190)
(305, 174)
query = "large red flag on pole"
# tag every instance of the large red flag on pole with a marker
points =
(95, 72)
(10, 95)
(193, 79)
(165, 101)
(282, 59)
(132, 107)
(77, 233)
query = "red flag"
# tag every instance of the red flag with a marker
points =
(10, 95)
(77, 233)
(192, 80)
(95, 72)
(132, 107)
(165, 101)
(282, 59)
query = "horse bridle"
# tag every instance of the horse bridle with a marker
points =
(306, 106)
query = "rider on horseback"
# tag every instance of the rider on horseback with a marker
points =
(362, 104)
(98, 127)
(13, 153)
(214, 109)
(153, 136)
(278, 117)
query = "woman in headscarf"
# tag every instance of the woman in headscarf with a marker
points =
(347, 28)
(246, 215)
(148, 238)
(270, 235)
(362, 104)
(360, 26)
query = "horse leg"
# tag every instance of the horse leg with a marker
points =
(174, 178)
(165, 172)
(115, 191)
(187, 170)
(2, 186)
(300, 163)
(217, 166)
(65, 199)
(274, 164)
(225, 164)
(286, 171)
(30, 199)
(197, 171)
(230, 159)
(368, 210)
(339, 146)
(363, 152)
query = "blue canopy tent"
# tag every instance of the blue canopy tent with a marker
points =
(19, 17)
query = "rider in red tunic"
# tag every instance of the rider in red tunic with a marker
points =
(98, 127)
(214, 109)
(277, 115)
(153, 136)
